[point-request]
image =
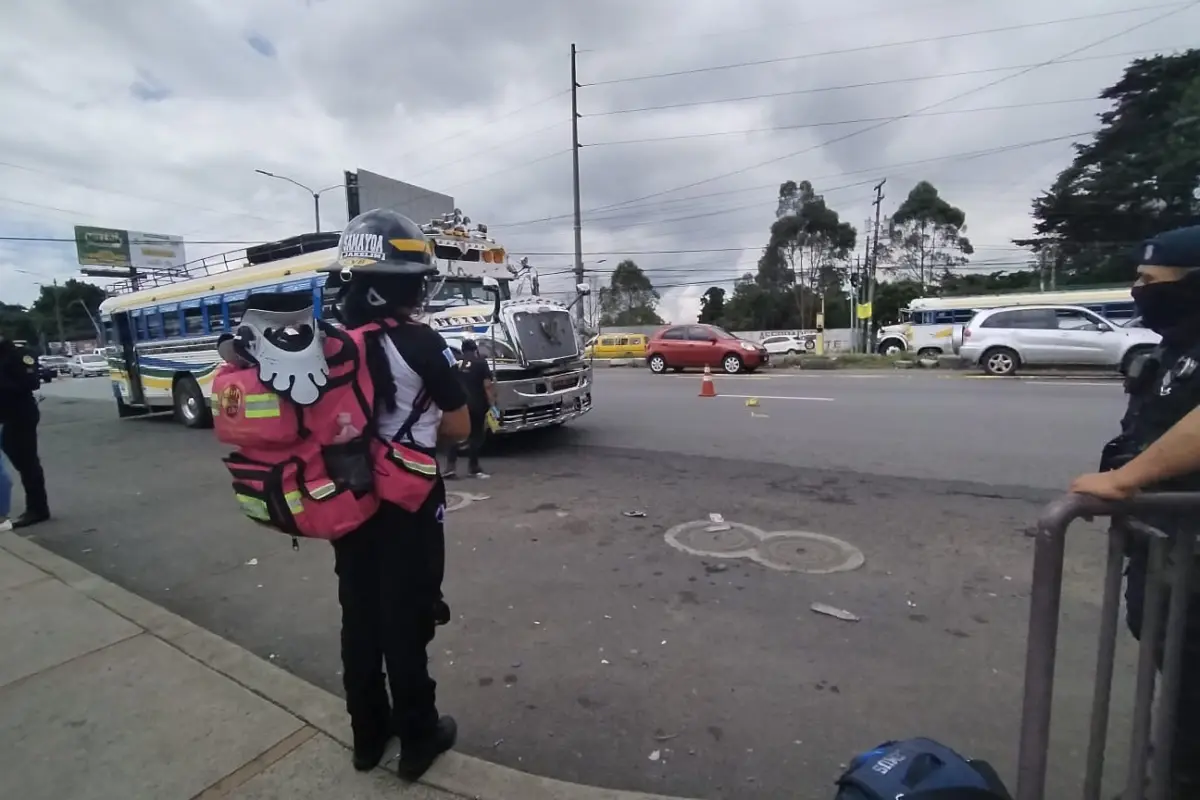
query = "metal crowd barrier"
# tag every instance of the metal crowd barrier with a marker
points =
(1170, 565)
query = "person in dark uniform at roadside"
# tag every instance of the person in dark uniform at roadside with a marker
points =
(1158, 449)
(19, 417)
(390, 570)
(481, 397)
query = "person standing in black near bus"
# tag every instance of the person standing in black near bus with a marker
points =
(477, 381)
(19, 417)
(390, 570)
(1159, 449)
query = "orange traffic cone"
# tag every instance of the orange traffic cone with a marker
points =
(707, 389)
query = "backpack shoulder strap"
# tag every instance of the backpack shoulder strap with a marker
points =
(420, 405)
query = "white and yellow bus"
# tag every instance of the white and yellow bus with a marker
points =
(161, 339)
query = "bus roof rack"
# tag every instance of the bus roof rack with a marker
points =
(292, 246)
(224, 262)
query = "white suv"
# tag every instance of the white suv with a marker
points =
(1002, 340)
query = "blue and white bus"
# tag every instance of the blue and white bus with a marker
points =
(927, 325)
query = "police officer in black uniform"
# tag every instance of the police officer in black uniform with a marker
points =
(1163, 388)
(19, 416)
(390, 570)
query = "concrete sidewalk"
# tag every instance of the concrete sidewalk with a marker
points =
(105, 696)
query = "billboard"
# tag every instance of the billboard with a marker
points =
(367, 190)
(111, 247)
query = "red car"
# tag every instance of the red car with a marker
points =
(678, 347)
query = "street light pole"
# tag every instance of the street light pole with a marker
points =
(316, 194)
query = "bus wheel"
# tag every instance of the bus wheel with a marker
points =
(190, 406)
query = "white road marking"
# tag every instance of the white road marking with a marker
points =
(776, 397)
(1073, 383)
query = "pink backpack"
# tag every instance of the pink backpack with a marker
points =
(309, 461)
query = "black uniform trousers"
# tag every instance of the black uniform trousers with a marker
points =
(389, 585)
(474, 444)
(19, 442)
(1185, 755)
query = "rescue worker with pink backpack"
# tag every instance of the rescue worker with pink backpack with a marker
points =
(336, 431)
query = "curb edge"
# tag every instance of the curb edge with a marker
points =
(454, 772)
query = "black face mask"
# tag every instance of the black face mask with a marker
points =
(1169, 305)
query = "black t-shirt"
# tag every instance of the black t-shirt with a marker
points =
(474, 372)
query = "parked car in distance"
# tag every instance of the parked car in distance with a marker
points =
(789, 345)
(60, 364)
(88, 365)
(616, 345)
(46, 372)
(1003, 340)
(678, 347)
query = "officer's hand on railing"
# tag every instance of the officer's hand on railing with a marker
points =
(1078, 505)
(1105, 485)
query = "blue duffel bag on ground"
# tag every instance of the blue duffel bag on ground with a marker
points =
(918, 769)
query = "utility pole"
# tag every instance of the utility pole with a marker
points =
(62, 339)
(874, 266)
(579, 311)
(1042, 270)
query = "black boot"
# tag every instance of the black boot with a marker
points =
(30, 518)
(418, 755)
(370, 743)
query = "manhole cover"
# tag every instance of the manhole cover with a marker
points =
(456, 501)
(814, 553)
(787, 551)
(696, 538)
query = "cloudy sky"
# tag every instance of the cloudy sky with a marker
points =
(152, 116)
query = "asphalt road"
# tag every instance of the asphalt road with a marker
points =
(588, 647)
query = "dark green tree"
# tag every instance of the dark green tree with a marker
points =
(802, 262)
(1138, 176)
(712, 306)
(16, 323)
(927, 236)
(70, 299)
(629, 298)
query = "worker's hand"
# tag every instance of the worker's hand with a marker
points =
(1113, 485)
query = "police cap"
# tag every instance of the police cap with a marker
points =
(383, 242)
(1179, 248)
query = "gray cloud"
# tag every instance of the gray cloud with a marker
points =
(446, 95)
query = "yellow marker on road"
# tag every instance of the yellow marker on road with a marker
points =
(751, 402)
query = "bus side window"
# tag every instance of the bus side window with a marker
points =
(943, 317)
(171, 324)
(233, 314)
(328, 298)
(193, 321)
(154, 326)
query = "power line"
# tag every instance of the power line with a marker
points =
(861, 120)
(660, 35)
(522, 165)
(891, 120)
(476, 128)
(887, 45)
(492, 149)
(77, 182)
(868, 84)
(629, 207)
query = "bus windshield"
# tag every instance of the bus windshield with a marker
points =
(463, 292)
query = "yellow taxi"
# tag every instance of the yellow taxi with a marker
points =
(617, 345)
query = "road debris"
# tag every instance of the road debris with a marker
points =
(633, 513)
(655, 755)
(836, 613)
(665, 737)
(252, 562)
(718, 523)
